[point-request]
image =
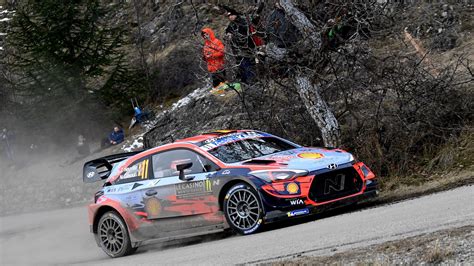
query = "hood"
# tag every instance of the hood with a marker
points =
(211, 34)
(309, 159)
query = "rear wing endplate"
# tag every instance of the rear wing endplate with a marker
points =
(100, 168)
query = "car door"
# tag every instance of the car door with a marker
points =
(175, 204)
(128, 189)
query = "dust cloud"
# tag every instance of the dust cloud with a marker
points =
(45, 171)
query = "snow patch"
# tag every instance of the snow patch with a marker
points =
(5, 19)
(137, 140)
(137, 144)
(196, 94)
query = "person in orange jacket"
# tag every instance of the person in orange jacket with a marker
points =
(213, 54)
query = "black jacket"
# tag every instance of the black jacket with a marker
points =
(241, 40)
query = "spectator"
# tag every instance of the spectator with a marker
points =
(242, 44)
(279, 30)
(141, 116)
(213, 54)
(256, 26)
(117, 136)
(6, 139)
(82, 146)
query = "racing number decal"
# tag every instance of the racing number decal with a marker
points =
(143, 169)
(139, 170)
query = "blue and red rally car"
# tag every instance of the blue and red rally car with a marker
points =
(240, 179)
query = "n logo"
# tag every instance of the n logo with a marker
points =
(334, 184)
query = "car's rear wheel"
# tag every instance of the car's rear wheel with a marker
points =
(242, 209)
(113, 235)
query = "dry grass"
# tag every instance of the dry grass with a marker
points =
(452, 246)
(452, 167)
(438, 254)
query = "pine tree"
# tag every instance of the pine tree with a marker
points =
(65, 51)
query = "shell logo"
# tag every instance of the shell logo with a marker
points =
(292, 188)
(153, 207)
(310, 155)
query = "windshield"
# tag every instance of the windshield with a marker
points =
(246, 149)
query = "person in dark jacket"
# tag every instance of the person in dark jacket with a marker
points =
(242, 44)
(279, 30)
(117, 136)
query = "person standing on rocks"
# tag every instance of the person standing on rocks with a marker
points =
(240, 38)
(213, 54)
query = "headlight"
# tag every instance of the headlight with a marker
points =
(278, 175)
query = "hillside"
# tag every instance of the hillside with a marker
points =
(394, 86)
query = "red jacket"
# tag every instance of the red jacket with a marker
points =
(213, 52)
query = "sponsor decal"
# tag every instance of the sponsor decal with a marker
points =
(296, 202)
(153, 207)
(298, 212)
(136, 185)
(311, 155)
(226, 172)
(251, 230)
(335, 183)
(292, 188)
(223, 140)
(138, 170)
(101, 199)
(223, 131)
(195, 189)
(283, 158)
(126, 187)
(154, 183)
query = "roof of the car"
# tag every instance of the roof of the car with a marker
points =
(209, 135)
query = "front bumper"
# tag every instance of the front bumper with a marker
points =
(279, 215)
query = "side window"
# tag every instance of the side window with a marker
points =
(136, 171)
(164, 163)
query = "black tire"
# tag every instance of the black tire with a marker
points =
(242, 209)
(113, 235)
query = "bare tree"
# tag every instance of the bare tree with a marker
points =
(308, 91)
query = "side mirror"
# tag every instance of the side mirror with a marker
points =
(181, 168)
(208, 168)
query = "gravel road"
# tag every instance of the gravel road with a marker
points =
(62, 236)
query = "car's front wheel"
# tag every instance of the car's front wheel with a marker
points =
(113, 235)
(242, 209)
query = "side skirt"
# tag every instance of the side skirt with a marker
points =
(184, 234)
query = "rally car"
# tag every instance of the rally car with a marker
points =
(237, 179)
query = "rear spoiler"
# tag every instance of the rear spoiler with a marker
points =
(100, 169)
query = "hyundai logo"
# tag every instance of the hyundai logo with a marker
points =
(332, 166)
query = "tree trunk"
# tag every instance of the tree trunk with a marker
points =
(319, 111)
(309, 92)
(302, 23)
